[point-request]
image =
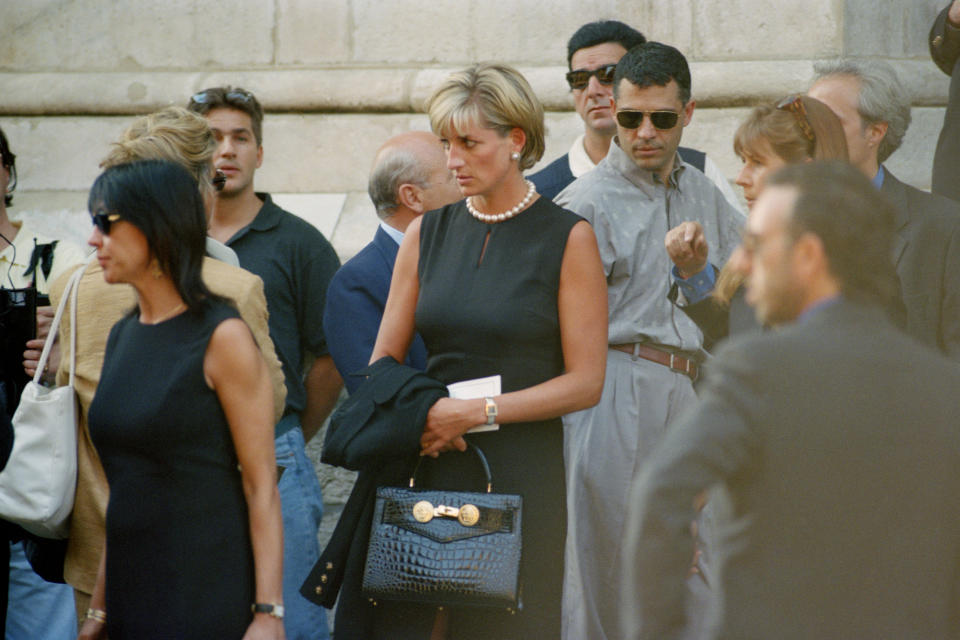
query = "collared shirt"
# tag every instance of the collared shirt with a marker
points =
(580, 163)
(395, 234)
(631, 211)
(878, 179)
(296, 263)
(15, 260)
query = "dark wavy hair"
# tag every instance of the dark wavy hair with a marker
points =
(161, 199)
(854, 221)
(654, 64)
(602, 32)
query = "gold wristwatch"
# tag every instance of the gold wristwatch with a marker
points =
(490, 410)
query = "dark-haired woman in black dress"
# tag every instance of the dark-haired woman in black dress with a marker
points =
(182, 420)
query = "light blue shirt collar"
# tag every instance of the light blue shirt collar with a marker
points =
(396, 234)
(878, 179)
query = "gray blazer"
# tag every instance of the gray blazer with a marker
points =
(834, 448)
(927, 257)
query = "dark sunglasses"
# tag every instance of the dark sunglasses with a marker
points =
(580, 78)
(103, 220)
(212, 95)
(794, 105)
(219, 180)
(663, 120)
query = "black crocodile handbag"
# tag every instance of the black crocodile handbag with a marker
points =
(445, 547)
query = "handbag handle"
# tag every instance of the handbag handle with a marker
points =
(70, 292)
(480, 456)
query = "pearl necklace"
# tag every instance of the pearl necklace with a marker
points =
(506, 215)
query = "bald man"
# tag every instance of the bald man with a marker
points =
(409, 176)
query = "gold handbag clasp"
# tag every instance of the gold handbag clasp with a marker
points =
(467, 515)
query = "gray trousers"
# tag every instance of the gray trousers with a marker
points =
(604, 448)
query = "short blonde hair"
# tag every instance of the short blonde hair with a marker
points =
(173, 134)
(495, 96)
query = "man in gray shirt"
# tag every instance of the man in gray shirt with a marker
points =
(637, 192)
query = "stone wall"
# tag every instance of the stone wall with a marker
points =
(337, 77)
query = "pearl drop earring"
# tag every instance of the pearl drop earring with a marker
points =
(515, 155)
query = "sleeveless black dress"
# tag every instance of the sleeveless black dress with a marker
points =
(179, 561)
(494, 311)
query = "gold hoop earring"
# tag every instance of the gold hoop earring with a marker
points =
(157, 271)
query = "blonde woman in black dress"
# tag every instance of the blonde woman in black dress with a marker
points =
(501, 283)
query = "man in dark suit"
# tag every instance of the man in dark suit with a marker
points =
(409, 176)
(592, 55)
(874, 110)
(835, 473)
(945, 51)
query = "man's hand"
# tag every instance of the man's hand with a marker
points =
(44, 321)
(687, 247)
(34, 348)
(31, 358)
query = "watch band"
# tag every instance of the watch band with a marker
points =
(274, 610)
(490, 410)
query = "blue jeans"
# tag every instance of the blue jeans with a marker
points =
(37, 608)
(302, 506)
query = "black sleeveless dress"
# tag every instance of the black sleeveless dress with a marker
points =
(494, 311)
(179, 561)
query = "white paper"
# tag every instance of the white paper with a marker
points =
(477, 388)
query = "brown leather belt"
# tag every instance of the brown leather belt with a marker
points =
(668, 359)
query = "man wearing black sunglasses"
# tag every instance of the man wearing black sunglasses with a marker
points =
(592, 56)
(637, 192)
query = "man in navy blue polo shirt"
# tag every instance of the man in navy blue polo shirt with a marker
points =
(296, 263)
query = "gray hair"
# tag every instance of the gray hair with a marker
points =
(883, 97)
(395, 166)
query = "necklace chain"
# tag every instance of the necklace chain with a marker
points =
(506, 215)
(169, 314)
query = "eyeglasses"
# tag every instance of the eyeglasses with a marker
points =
(102, 221)
(794, 105)
(662, 120)
(208, 96)
(219, 180)
(580, 78)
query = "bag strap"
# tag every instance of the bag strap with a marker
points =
(70, 291)
(480, 456)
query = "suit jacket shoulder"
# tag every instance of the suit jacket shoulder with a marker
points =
(355, 301)
(927, 258)
(554, 177)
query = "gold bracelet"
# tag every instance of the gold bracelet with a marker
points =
(97, 614)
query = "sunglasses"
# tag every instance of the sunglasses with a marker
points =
(580, 78)
(103, 221)
(208, 96)
(794, 105)
(662, 120)
(219, 180)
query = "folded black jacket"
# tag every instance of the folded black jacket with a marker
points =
(376, 431)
